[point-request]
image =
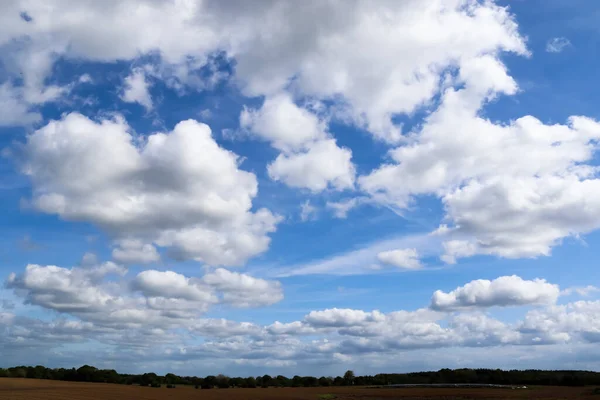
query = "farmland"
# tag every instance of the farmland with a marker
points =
(34, 389)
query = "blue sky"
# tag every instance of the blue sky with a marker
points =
(260, 189)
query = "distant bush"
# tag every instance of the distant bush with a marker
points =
(197, 387)
(155, 384)
(170, 386)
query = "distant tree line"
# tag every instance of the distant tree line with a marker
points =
(88, 373)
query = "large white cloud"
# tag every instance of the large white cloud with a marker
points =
(564, 322)
(178, 189)
(503, 291)
(66, 290)
(513, 190)
(409, 52)
(379, 58)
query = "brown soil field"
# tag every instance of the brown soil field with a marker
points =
(32, 389)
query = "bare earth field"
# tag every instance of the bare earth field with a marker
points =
(31, 389)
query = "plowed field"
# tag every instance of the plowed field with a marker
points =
(31, 389)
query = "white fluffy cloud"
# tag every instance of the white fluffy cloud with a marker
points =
(406, 51)
(401, 258)
(64, 290)
(309, 157)
(405, 47)
(564, 323)
(152, 299)
(136, 89)
(166, 318)
(323, 165)
(337, 318)
(513, 190)
(170, 284)
(132, 251)
(243, 290)
(285, 125)
(503, 291)
(177, 189)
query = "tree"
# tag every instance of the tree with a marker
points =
(222, 381)
(209, 382)
(171, 379)
(349, 378)
(297, 381)
(323, 381)
(266, 381)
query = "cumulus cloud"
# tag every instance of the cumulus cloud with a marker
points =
(275, 43)
(309, 157)
(243, 290)
(401, 258)
(411, 69)
(512, 190)
(321, 336)
(132, 251)
(557, 44)
(563, 323)
(179, 189)
(501, 292)
(170, 284)
(136, 89)
(152, 299)
(341, 317)
(66, 290)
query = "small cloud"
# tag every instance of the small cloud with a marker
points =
(401, 258)
(581, 291)
(340, 209)
(28, 244)
(557, 44)
(307, 211)
(136, 89)
(85, 78)
(88, 260)
(205, 114)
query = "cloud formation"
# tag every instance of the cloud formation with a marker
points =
(136, 89)
(500, 292)
(401, 258)
(171, 304)
(557, 44)
(178, 190)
